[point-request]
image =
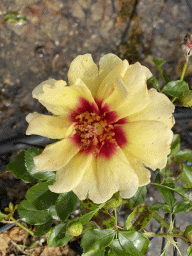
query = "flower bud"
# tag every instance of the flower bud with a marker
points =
(75, 228)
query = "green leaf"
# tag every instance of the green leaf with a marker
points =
(182, 206)
(17, 167)
(2, 216)
(56, 236)
(186, 98)
(159, 63)
(184, 155)
(140, 242)
(188, 233)
(155, 82)
(96, 239)
(40, 229)
(139, 218)
(175, 88)
(158, 178)
(157, 206)
(28, 213)
(88, 216)
(14, 17)
(175, 145)
(139, 196)
(41, 197)
(66, 204)
(184, 192)
(166, 193)
(95, 253)
(39, 175)
(186, 175)
(129, 243)
(53, 212)
(189, 251)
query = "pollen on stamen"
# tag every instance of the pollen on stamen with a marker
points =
(96, 131)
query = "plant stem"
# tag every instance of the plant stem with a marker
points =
(23, 227)
(161, 234)
(184, 68)
(177, 232)
(115, 211)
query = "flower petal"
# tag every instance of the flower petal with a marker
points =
(103, 178)
(70, 176)
(143, 174)
(160, 109)
(59, 98)
(149, 141)
(135, 81)
(107, 85)
(106, 64)
(55, 156)
(118, 96)
(53, 127)
(84, 68)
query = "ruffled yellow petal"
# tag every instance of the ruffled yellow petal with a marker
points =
(149, 141)
(71, 175)
(53, 127)
(160, 109)
(106, 64)
(143, 174)
(103, 178)
(56, 155)
(108, 83)
(84, 68)
(135, 80)
(118, 96)
(59, 98)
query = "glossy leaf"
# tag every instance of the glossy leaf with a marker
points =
(139, 196)
(166, 193)
(88, 216)
(129, 243)
(183, 155)
(96, 239)
(182, 206)
(186, 98)
(29, 163)
(66, 204)
(175, 88)
(41, 229)
(56, 236)
(17, 167)
(155, 82)
(189, 251)
(184, 192)
(53, 212)
(140, 241)
(41, 197)
(188, 233)
(28, 213)
(95, 253)
(175, 145)
(157, 206)
(139, 218)
(2, 216)
(186, 175)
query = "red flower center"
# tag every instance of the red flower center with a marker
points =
(97, 129)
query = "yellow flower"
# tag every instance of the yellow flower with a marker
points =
(110, 127)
